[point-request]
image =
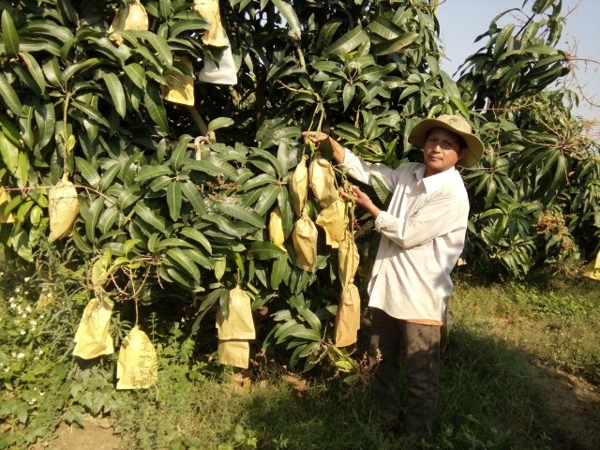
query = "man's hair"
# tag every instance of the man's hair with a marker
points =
(461, 141)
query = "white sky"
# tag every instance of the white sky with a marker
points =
(461, 21)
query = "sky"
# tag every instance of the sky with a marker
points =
(461, 21)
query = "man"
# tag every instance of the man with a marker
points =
(422, 236)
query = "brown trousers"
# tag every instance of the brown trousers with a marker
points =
(417, 348)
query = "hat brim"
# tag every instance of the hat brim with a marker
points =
(474, 145)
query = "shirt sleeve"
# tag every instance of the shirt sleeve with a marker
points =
(361, 170)
(439, 216)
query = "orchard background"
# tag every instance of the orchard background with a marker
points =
(174, 201)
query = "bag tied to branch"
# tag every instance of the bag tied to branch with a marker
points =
(593, 269)
(334, 221)
(4, 200)
(137, 366)
(304, 238)
(348, 260)
(234, 353)
(347, 320)
(276, 235)
(92, 338)
(322, 181)
(180, 86)
(132, 17)
(63, 207)
(209, 10)
(240, 324)
(299, 186)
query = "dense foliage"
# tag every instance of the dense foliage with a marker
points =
(174, 200)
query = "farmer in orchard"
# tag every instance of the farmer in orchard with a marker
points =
(422, 236)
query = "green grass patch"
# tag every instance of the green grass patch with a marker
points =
(521, 370)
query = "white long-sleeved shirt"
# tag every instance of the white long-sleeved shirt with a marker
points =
(422, 236)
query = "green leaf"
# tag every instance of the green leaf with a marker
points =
(149, 172)
(9, 96)
(116, 92)
(22, 173)
(10, 36)
(212, 167)
(165, 8)
(265, 250)
(35, 70)
(10, 153)
(174, 200)
(220, 122)
(291, 18)
(89, 172)
(136, 73)
(192, 194)
(150, 217)
(347, 42)
(242, 213)
(197, 236)
(280, 266)
(79, 67)
(156, 109)
(327, 33)
(161, 47)
(90, 112)
(180, 259)
(395, 45)
(108, 176)
(348, 95)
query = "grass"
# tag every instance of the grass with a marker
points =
(520, 371)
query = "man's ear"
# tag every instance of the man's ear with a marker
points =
(462, 153)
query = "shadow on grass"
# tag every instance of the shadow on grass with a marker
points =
(492, 396)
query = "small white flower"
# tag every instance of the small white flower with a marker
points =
(28, 309)
(40, 352)
(33, 322)
(11, 299)
(20, 356)
(26, 293)
(26, 279)
(7, 369)
(22, 332)
(12, 305)
(13, 354)
(17, 289)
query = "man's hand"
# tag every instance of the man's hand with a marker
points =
(363, 200)
(318, 136)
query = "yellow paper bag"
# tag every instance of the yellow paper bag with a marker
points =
(347, 320)
(348, 260)
(334, 221)
(4, 200)
(63, 207)
(299, 186)
(137, 366)
(322, 181)
(593, 269)
(133, 17)
(180, 87)
(92, 338)
(234, 353)
(304, 238)
(276, 235)
(209, 9)
(239, 324)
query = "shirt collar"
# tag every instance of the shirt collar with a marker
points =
(434, 182)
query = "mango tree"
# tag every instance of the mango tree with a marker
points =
(175, 199)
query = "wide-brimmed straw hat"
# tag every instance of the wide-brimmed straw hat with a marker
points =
(456, 124)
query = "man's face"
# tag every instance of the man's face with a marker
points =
(442, 151)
